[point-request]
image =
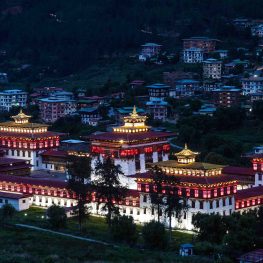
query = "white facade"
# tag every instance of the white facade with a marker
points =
(212, 69)
(131, 166)
(252, 85)
(258, 179)
(11, 98)
(32, 156)
(193, 55)
(17, 200)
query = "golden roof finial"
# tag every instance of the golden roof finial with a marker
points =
(185, 146)
(134, 112)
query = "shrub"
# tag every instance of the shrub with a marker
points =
(123, 228)
(56, 216)
(7, 211)
(154, 235)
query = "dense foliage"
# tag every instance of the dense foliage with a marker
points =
(234, 234)
(154, 235)
(66, 36)
(123, 228)
(56, 216)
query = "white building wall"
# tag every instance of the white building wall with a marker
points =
(258, 179)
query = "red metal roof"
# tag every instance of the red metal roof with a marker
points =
(117, 136)
(55, 153)
(8, 161)
(30, 135)
(249, 193)
(234, 170)
(194, 179)
(33, 181)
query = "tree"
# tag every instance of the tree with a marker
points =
(7, 212)
(258, 109)
(154, 235)
(123, 228)
(217, 158)
(211, 228)
(156, 192)
(174, 204)
(79, 169)
(57, 216)
(109, 190)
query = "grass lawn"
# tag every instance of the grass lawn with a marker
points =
(26, 246)
(23, 245)
(94, 227)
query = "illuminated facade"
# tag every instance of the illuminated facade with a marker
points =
(24, 140)
(204, 186)
(132, 146)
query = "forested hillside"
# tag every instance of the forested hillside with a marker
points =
(66, 36)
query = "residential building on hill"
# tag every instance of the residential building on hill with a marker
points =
(193, 55)
(51, 109)
(149, 50)
(205, 43)
(227, 96)
(212, 69)
(252, 85)
(12, 98)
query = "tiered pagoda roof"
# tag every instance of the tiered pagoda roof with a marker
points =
(133, 123)
(134, 130)
(22, 127)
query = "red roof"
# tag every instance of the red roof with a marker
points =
(234, 170)
(139, 136)
(8, 161)
(249, 193)
(193, 179)
(33, 181)
(133, 193)
(30, 135)
(55, 153)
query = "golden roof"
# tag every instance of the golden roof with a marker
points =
(133, 123)
(21, 117)
(135, 117)
(186, 152)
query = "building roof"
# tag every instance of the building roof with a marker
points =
(243, 171)
(197, 49)
(255, 256)
(151, 45)
(249, 193)
(194, 165)
(158, 86)
(55, 153)
(194, 180)
(187, 81)
(129, 137)
(12, 195)
(227, 89)
(201, 38)
(212, 61)
(156, 102)
(88, 110)
(29, 135)
(33, 181)
(55, 100)
(72, 141)
(186, 152)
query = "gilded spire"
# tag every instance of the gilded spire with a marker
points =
(134, 113)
